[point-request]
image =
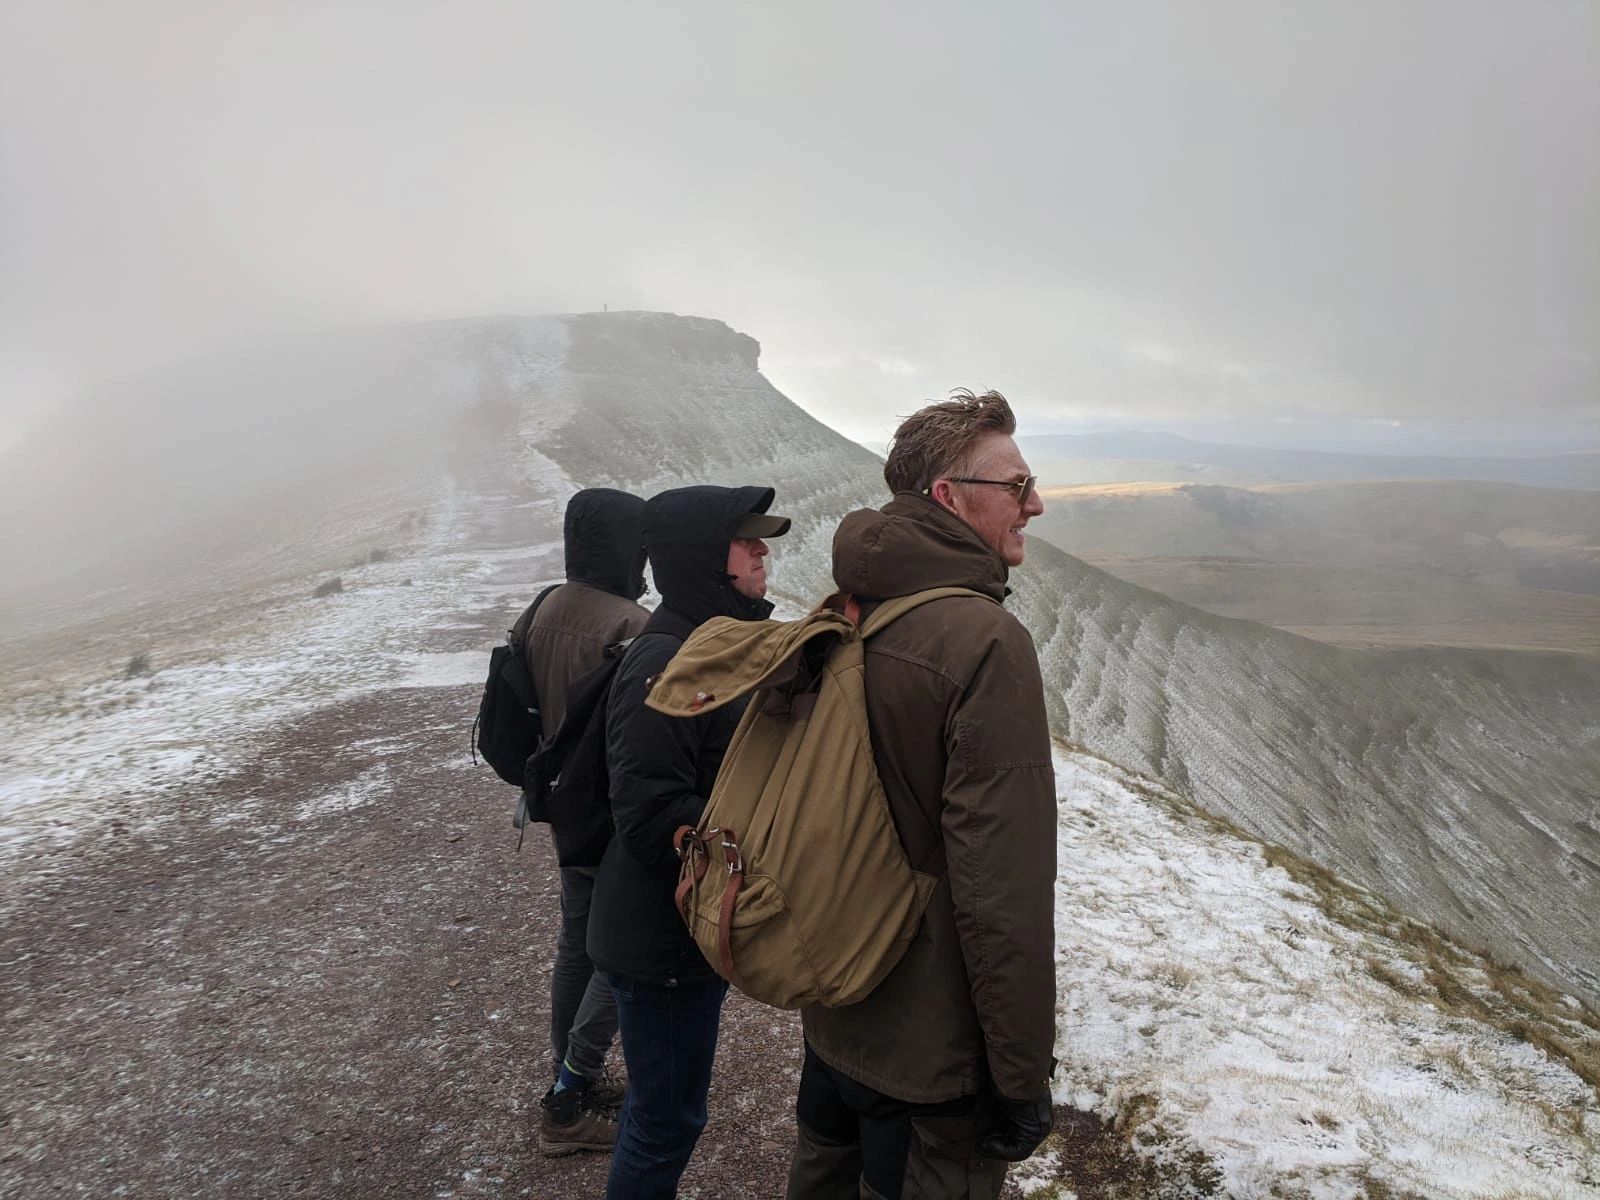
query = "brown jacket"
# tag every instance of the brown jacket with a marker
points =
(960, 737)
(568, 637)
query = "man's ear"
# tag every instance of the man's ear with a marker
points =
(942, 494)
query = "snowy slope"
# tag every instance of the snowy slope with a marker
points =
(241, 645)
(1263, 1031)
(1465, 786)
(1245, 1038)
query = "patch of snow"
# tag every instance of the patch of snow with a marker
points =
(1038, 1173)
(1205, 995)
(443, 670)
(364, 789)
(199, 716)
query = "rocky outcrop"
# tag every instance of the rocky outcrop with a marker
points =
(613, 341)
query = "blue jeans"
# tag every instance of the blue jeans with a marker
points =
(669, 1039)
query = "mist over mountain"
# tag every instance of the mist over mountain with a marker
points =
(208, 460)
(1463, 786)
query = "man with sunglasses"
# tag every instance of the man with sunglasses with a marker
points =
(940, 1077)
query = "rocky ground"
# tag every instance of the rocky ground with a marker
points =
(328, 977)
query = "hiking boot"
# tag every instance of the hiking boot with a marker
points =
(569, 1122)
(608, 1092)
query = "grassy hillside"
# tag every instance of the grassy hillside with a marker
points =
(1357, 564)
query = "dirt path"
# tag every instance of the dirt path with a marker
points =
(326, 977)
(318, 999)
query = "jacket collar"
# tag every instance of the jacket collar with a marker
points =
(912, 544)
(670, 622)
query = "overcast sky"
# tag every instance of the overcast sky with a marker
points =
(1112, 211)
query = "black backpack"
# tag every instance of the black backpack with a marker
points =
(508, 727)
(565, 783)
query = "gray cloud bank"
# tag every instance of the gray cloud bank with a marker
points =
(1190, 211)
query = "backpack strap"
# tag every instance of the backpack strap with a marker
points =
(892, 610)
(515, 638)
(696, 848)
(880, 618)
(730, 896)
(517, 635)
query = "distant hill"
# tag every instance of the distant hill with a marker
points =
(1132, 456)
(1359, 563)
(1460, 785)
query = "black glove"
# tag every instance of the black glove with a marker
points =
(1017, 1129)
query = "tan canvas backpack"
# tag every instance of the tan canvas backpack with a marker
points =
(794, 883)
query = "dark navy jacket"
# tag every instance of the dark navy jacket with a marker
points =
(662, 768)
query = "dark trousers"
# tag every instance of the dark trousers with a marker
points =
(669, 1039)
(857, 1142)
(583, 1017)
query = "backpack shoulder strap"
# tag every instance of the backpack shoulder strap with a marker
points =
(892, 610)
(587, 701)
(518, 633)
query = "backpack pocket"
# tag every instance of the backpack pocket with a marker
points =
(756, 947)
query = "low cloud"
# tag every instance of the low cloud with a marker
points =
(1147, 211)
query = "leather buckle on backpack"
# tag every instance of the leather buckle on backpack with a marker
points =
(733, 856)
(687, 841)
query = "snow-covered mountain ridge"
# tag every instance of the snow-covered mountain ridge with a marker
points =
(1464, 786)
(1251, 1030)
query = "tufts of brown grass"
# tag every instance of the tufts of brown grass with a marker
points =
(1102, 1160)
(1567, 1120)
(1389, 977)
(1377, 1189)
(1463, 981)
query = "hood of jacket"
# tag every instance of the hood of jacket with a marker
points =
(686, 532)
(604, 537)
(909, 545)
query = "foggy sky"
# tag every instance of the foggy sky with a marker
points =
(1108, 210)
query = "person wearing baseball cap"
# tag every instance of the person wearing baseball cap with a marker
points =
(708, 557)
(707, 548)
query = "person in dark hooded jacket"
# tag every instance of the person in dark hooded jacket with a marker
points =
(708, 560)
(597, 607)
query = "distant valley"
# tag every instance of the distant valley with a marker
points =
(1365, 564)
(1131, 456)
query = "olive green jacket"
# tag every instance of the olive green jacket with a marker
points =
(962, 746)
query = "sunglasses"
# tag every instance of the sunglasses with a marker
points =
(1022, 487)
